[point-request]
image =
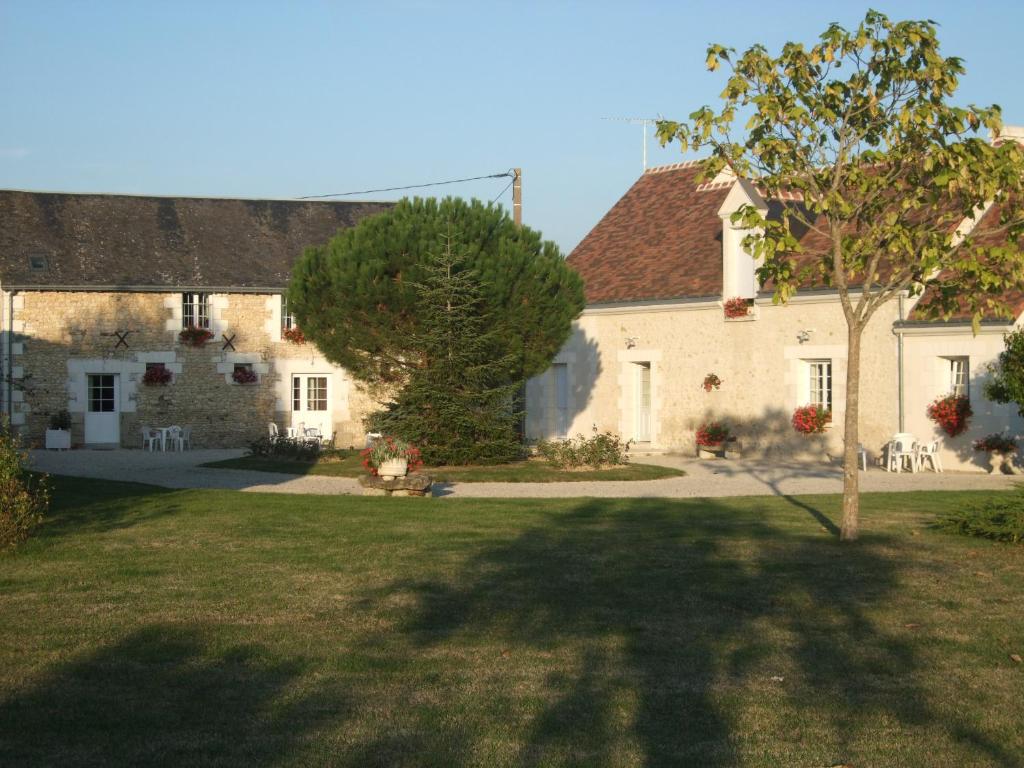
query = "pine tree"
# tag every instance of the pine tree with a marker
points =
(457, 405)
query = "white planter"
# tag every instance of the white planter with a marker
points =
(393, 468)
(707, 453)
(58, 440)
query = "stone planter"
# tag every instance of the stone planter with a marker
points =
(393, 468)
(708, 451)
(997, 460)
(58, 440)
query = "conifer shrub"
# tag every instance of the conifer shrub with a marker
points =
(24, 497)
(1000, 518)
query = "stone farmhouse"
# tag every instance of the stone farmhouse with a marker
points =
(658, 270)
(95, 290)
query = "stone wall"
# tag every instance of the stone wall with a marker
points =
(62, 337)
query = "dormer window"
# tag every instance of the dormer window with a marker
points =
(287, 319)
(37, 263)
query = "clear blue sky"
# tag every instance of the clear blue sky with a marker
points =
(255, 99)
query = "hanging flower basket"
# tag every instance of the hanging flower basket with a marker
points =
(736, 307)
(157, 376)
(294, 335)
(194, 337)
(952, 413)
(711, 381)
(811, 419)
(389, 457)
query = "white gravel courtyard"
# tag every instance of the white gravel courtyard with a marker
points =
(745, 477)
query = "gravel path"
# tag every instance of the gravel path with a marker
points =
(703, 478)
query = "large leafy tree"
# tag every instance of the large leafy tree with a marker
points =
(355, 297)
(858, 131)
(1007, 382)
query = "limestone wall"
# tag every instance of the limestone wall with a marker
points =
(62, 337)
(759, 360)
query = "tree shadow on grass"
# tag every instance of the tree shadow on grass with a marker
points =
(164, 695)
(683, 612)
(80, 505)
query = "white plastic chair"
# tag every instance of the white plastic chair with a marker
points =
(862, 454)
(930, 453)
(150, 438)
(185, 439)
(272, 430)
(313, 435)
(174, 438)
(901, 450)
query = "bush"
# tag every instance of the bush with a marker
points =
(284, 448)
(24, 497)
(1000, 518)
(602, 450)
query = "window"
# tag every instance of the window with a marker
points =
(101, 393)
(316, 393)
(820, 390)
(561, 371)
(37, 263)
(296, 393)
(287, 320)
(195, 310)
(958, 370)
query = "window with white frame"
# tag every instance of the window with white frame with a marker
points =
(958, 376)
(820, 383)
(287, 319)
(195, 310)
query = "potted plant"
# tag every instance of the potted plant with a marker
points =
(294, 335)
(711, 381)
(736, 307)
(710, 438)
(811, 419)
(951, 412)
(389, 457)
(1000, 449)
(194, 337)
(244, 375)
(58, 436)
(156, 376)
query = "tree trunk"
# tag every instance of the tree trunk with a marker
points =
(848, 530)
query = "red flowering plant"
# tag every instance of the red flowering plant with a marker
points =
(242, 375)
(951, 412)
(294, 335)
(711, 381)
(156, 375)
(996, 443)
(194, 337)
(387, 448)
(811, 419)
(712, 435)
(736, 307)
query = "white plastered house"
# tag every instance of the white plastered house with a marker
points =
(659, 267)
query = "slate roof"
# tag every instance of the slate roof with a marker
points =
(661, 240)
(92, 241)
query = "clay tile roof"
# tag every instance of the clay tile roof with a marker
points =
(1014, 298)
(56, 239)
(662, 240)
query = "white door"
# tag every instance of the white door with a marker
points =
(103, 411)
(643, 403)
(311, 403)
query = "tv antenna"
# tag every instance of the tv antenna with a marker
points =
(643, 122)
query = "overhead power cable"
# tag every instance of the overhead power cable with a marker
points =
(504, 175)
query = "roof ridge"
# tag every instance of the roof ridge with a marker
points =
(151, 196)
(672, 166)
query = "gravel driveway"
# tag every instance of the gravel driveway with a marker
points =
(703, 478)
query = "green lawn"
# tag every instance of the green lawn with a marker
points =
(155, 627)
(519, 472)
